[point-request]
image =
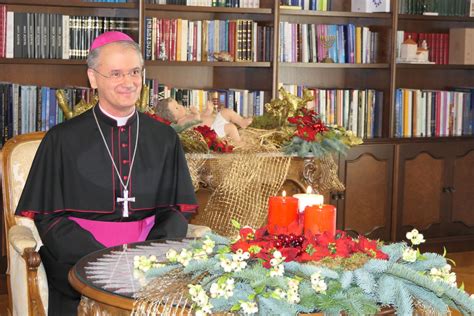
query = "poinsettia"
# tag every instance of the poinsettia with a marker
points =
(302, 247)
(214, 142)
(308, 125)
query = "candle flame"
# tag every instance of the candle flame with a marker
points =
(283, 193)
(309, 190)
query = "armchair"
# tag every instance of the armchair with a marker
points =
(26, 277)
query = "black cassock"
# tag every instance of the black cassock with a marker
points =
(72, 175)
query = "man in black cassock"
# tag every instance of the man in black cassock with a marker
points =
(110, 164)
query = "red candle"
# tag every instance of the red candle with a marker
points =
(320, 218)
(282, 211)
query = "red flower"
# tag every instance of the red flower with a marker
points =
(308, 125)
(302, 248)
(213, 141)
(247, 233)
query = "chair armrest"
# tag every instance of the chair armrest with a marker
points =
(196, 231)
(21, 238)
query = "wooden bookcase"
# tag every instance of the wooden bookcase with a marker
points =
(392, 184)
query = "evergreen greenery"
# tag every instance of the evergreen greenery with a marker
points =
(394, 282)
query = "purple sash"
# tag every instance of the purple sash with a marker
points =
(112, 234)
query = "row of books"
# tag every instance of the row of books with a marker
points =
(43, 35)
(357, 110)
(317, 42)
(313, 5)
(442, 7)
(26, 109)
(211, 3)
(438, 44)
(109, 1)
(434, 113)
(184, 40)
(244, 102)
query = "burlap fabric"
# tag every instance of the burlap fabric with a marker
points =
(321, 174)
(243, 185)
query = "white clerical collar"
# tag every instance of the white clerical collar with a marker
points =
(121, 121)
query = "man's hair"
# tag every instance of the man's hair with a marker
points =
(162, 109)
(93, 57)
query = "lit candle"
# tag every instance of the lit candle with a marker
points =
(282, 212)
(308, 199)
(319, 219)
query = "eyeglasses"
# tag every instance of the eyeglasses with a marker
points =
(117, 75)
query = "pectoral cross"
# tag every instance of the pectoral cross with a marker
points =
(125, 201)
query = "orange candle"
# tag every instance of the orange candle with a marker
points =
(320, 218)
(282, 211)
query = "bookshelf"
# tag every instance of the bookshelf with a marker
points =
(386, 177)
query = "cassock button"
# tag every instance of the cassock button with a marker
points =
(125, 177)
(125, 162)
(122, 129)
(124, 145)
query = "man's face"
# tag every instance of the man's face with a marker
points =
(113, 78)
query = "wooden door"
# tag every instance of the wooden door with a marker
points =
(460, 216)
(422, 195)
(365, 206)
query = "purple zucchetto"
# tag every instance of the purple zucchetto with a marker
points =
(109, 37)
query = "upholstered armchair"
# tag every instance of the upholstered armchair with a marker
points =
(26, 277)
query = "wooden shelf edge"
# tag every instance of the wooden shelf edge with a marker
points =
(32, 61)
(208, 64)
(199, 9)
(335, 14)
(335, 65)
(73, 4)
(435, 18)
(434, 66)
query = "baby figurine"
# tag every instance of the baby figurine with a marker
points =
(223, 123)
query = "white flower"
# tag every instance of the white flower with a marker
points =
(239, 255)
(415, 237)
(200, 254)
(230, 282)
(225, 289)
(279, 293)
(249, 307)
(202, 299)
(318, 284)
(208, 245)
(215, 290)
(207, 308)
(200, 312)
(315, 277)
(278, 270)
(194, 289)
(274, 262)
(184, 257)
(277, 254)
(226, 264)
(471, 297)
(293, 297)
(409, 255)
(239, 265)
(172, 255)
(444, 274)
(143, 263)
(293, 283)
